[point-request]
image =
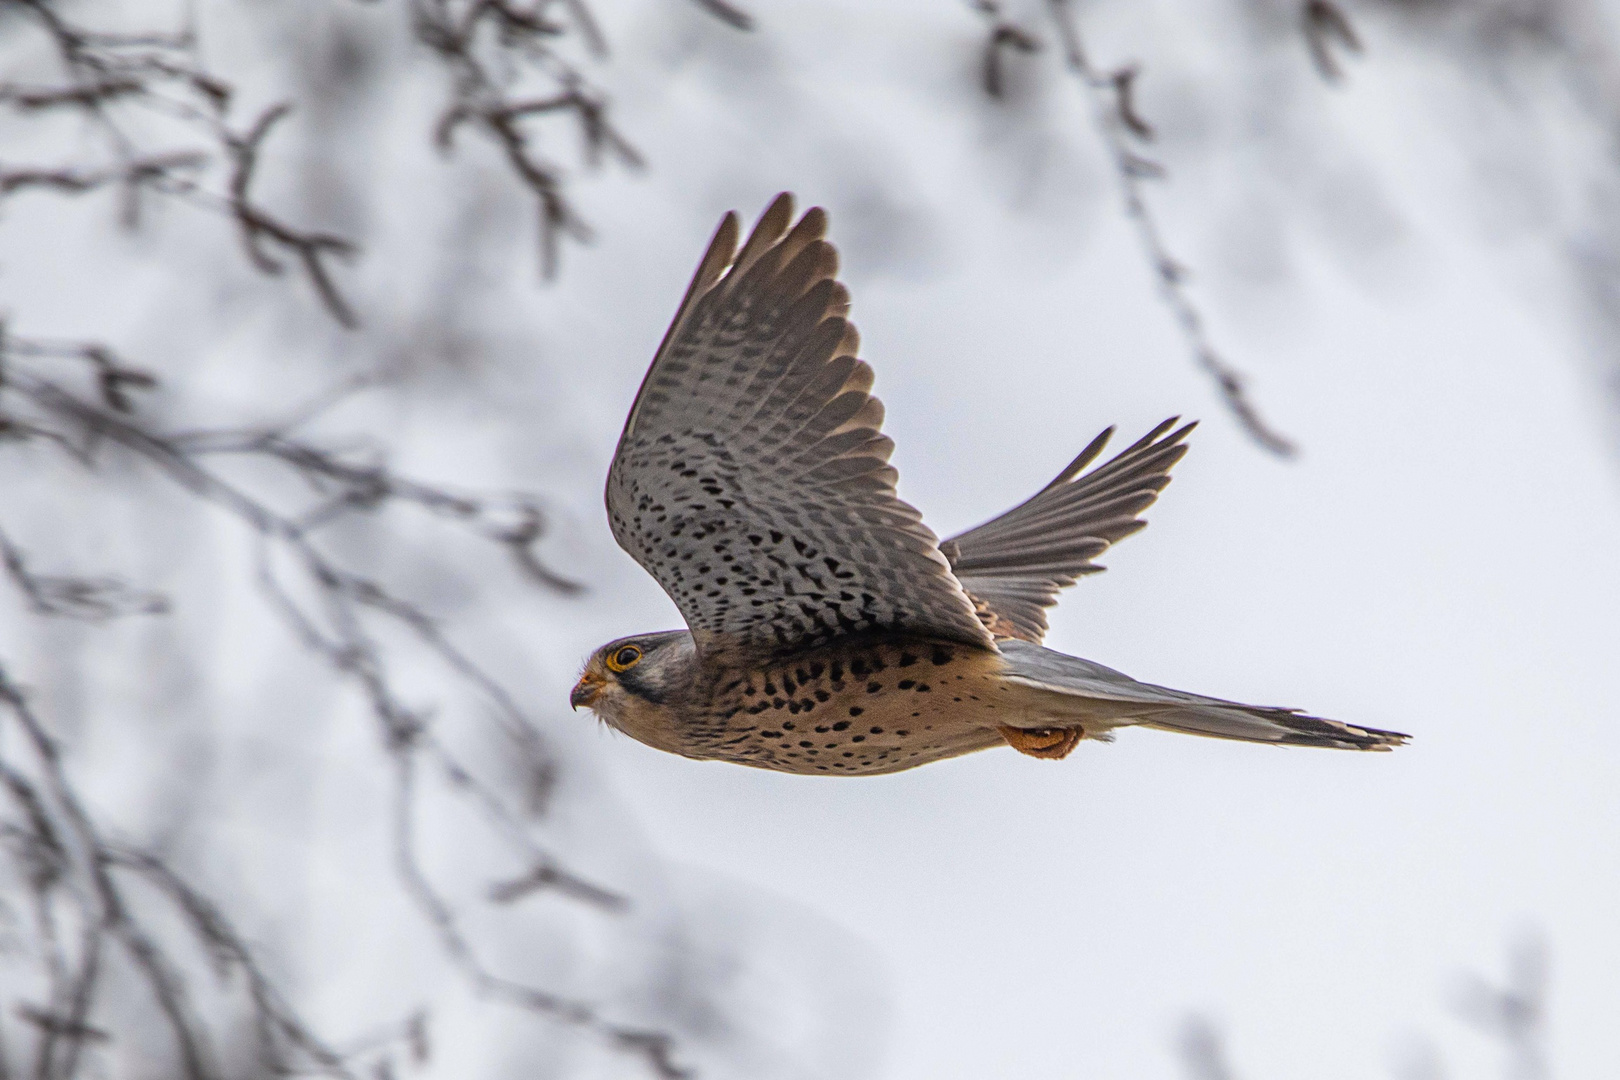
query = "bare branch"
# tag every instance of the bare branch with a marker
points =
(88, 95)
(335, 627)
(551, 876)
(59, 1027)
(162, 74)
(259, 227)
(1003, 36)
(92, 599)
(1515, 1012)
(1203, 1054)
(154, 173)
(1124, 81)
(1326, 26)
(492, 48)
(733, 16)
(1116, 116)
(82, 872)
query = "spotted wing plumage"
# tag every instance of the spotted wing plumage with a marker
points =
(752, 480)
(1013, 566)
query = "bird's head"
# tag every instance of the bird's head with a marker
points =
(634, 675)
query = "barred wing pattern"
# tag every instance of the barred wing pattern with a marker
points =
(752, 480)
(1013, 566)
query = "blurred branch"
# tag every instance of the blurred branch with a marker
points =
(492, 48)
(1119, 122)
(154, 173)
(508, 69)
(1326, 27)
(1516, 1011)
(1203, 1053)
(553, 877)
(733, 16)
(335, 625)
(1003, 36)
(259, 228)
(75, 879)
(161, 74)
(91, 599)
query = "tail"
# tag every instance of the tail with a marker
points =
(1092, 694)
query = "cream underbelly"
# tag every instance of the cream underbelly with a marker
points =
(855, 712)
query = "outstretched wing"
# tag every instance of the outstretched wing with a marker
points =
(752, 479)
(1014, 565)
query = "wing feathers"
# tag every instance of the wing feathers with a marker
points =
(710, 267)
(755, 449)
(817, 262)
(808, 233)
(1084, 458)
(767, 231)
(1013, 566)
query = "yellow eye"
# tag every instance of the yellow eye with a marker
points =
(624, 658)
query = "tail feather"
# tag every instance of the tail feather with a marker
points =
(1095, 691)
(1283, 727)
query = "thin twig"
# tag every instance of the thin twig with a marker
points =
(335, 628)
(1326, 27)
(1514, 1011)
(1203, 1052)
(90, 598)
(1113, 105)
(490, 47)
(84, 870)
(163, 74)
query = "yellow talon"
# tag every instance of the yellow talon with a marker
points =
(1053, 743)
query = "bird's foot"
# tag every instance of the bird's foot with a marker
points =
(1045, 742)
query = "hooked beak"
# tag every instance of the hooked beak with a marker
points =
(586, 690)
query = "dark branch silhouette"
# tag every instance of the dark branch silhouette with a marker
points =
(733, 16)
(1513, 1013)
(1002, 37)
(162, 75)
(1117, 122)
(492, 48)
(81, 880)
(89, 598)
(1203, 1054)
(1326, 30)
(336, 626)
(260, 228)
(1120, 124)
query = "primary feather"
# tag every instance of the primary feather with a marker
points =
(1013, 566)
(752, 479)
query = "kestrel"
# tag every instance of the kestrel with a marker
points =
(830, 632)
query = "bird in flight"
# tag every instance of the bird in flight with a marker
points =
(829, 630)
